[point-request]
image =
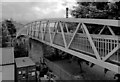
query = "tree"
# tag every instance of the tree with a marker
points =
(8, 32)
(102, 10)
(21, 47)
(11, 28)
(4, 35)
(98, 10)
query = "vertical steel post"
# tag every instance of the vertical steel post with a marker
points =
(67, 12)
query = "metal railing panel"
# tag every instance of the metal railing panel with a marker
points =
(58, 40)
(47, 37)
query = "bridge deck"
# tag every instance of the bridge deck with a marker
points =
(91, 39)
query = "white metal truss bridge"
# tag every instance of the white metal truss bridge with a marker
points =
(72, 35)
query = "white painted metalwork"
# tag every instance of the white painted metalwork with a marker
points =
(95, 48)
(73, 35)
(63, 35)
(56, 26)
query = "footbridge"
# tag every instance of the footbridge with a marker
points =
(94, 40)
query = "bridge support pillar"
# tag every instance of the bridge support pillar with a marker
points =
(35, 50)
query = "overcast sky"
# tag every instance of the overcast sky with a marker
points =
(28, 10)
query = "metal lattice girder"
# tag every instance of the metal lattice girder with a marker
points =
(46, 27)
(39, 31)
(109, 22)
(91, 42)
(111, 53)
(102, 30)
(50, 35)
(66, 27)
(55, 31)
(90, 21)
(73, 35)
(103, 64)
(109, 28)
(105, 45)
(111, 31)
(63, 35)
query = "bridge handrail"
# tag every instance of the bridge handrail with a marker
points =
(109, 22)
(85, 44)
(94, 35)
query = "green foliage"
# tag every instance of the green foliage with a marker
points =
(4, 35)
(102, 10)
(11, 28)
(21, 47)
(8, 31)
(98, 10)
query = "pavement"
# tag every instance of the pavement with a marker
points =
(94, 73)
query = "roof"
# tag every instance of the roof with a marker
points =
(24, 62)
(6, 55)
(8, 72)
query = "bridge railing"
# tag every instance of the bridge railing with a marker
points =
(95, 38)
(81, 43)
(103, 44)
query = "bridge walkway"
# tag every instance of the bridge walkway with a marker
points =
(95, 40)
